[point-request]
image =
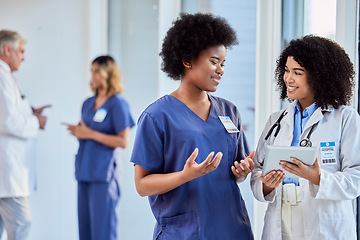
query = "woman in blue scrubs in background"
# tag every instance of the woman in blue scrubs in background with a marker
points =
(104, 126)
(186, 160)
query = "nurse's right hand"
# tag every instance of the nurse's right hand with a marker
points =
(194, 170)
(271, 180)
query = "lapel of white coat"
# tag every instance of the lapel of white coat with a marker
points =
(317, 116)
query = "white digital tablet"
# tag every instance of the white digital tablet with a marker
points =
(274, 154)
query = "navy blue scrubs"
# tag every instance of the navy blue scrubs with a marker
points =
(96, 169)
(211, 206)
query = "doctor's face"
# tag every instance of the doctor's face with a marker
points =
(16, 56)
(206, 70)
(297, 87)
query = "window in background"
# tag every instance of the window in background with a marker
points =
(303, 17)
(320, 18)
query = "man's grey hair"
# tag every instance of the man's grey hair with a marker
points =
(10, 37)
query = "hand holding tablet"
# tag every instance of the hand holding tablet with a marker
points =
(274, 154)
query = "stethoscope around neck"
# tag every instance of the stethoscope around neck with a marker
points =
(303, 143)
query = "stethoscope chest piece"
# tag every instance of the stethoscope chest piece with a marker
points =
(305, 143)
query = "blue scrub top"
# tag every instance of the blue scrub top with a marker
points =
(94, 161)
(211, 206)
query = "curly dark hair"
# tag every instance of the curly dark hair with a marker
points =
(330, 71)
(188, 36)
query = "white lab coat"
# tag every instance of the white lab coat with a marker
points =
(18, 129)
(327, 209)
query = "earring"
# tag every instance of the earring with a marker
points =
(187, 64)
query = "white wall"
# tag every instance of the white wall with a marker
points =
(55, 71)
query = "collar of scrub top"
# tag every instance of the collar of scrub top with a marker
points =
(8, 69)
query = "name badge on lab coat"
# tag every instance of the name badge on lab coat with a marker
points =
(327, 150)
(100, 115)
(228, 124)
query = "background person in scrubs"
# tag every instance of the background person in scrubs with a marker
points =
(104, 126)
(316, 73)
(183, 153)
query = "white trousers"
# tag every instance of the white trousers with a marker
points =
(15, 217)
(292, 222)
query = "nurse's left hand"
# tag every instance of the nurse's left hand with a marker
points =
(311, 173)
(245, 166)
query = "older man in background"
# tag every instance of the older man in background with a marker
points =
(19, 125)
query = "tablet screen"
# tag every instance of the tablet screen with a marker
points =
(274, 154)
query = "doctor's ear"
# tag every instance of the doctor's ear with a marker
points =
(187, 64)
(6, 49)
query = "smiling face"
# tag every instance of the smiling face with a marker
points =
(206, 70)
(295, 78)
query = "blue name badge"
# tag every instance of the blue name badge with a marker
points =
(100, 115)
(327, 150)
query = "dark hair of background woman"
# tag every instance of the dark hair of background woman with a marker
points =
(330, 71)
(189, 35)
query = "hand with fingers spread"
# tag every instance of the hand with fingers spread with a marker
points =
(311, 173)
(245, 166)
(148, 184)
(194, 170)
(271, 180)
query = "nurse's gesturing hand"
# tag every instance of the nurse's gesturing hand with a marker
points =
(194, 170)
(81, 131)
(148, 184)
(242, 169)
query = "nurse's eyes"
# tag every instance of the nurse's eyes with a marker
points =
(216, 63)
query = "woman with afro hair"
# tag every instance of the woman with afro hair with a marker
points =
(316, 75)
(190, 149)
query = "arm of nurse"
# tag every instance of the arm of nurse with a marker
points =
(148, 184)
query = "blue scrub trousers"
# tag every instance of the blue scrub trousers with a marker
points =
(97, 203)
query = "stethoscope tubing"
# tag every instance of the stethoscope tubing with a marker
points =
(303, 143)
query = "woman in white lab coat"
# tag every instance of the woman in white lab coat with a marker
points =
(316, 75)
